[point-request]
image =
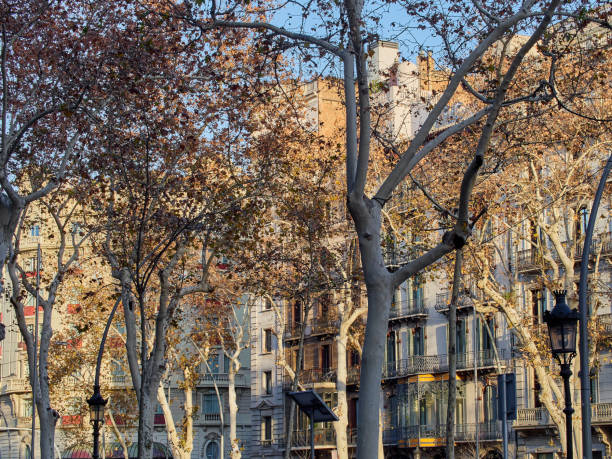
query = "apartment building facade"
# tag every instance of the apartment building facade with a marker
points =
(211, 421)
(415, 375)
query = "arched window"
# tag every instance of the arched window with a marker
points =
(212, 450)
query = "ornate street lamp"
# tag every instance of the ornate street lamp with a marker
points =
(96, 402)
(562, 324)
(96, 417)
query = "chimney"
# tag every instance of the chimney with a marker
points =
(385, 55)
(426, 65)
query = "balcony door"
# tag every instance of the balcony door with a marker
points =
(325, 358)
(490, 404)
(418, 341)
(461, 343)
(391, 352)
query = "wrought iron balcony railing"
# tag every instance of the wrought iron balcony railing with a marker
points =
(407, 309)
(435, 434)
(419, 364)
(312, 376)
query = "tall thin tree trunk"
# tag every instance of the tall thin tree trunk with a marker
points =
(233, 411)
(341, 425)
(47, 416)
(452, 357)
(179, 450)
(188, 423)
(120, 438)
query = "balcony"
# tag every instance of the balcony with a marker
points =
(406, 310)
(313, 376)
(486, 360)
(324, 437)
(323, 326)
(415, 364)
(434, 435)
(606, 243)
(117, 380)
(395, 258)
(533, 418)
(212, 417)
(487, 431)
(443, 299)
(222, 379)
(530, 418)
(10, 385)
(601, 413)
(352, 375)
(292, 331)
(604, 322)
(528, 260)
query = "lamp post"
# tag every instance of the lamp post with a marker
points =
(562, 324)
(96, 416)
(96, 402)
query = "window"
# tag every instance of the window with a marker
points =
(461, 343)
(226, 363)
(594, 383)
(267, 340)
(324, 302)
(490, 404)
(267, 382)
(295, 360)
(418, 341)
(325, 358)
(266, 429)
(35, 230)
(297, 313)
(212, 450)
(30, 300)
(582, 221)
(486, 330)
(210, 407)
(117, 373)
(213, 364)
(391, 357)
(26, 408)
(267, 304)
(536, 391)
(159, 419)
(354, 361)
(417, 293)
(538, 305)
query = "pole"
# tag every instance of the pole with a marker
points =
(96, 433)
(477, 417)
(565, 374)
(34, 376)
(585, 387)
(312, 446)
(96, 387)
(504, 414)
